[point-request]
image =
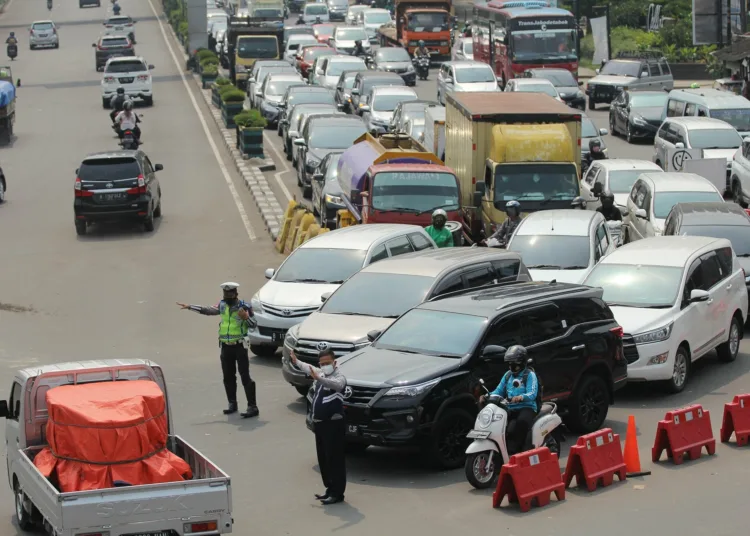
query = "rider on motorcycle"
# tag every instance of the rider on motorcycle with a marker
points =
(520, 387)
(595, 152)
(421, 50)
(117, 103)
(116, 8)
(608, 208)
(359, 50)
(503, 234)
(128, 120)
(11, 39)
(438, 232)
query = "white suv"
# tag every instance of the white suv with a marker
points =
(317, 268)
(739, 181)
(677, 298)
(131, 73)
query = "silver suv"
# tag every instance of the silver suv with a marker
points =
(377, 295)
(632, 71)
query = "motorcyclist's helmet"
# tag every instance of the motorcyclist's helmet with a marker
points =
(513, 208)
(516, 357)
(595, 146)
(421, 43)
(121, 91)
(439, 218)
(608, 199)
(358, 43)
(12, 34)
(128, 105)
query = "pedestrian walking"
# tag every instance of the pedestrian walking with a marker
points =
(327, 410)
(236, 318)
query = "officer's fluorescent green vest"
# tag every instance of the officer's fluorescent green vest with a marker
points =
(232, 327)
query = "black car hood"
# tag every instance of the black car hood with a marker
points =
(376, 367)
(649, 114)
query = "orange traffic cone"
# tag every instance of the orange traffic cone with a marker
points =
(631, 455)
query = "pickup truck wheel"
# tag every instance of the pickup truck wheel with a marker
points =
(25, 519)
(589, 405)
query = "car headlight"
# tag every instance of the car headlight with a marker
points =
(291, 337)
(334, 199)
(255, 303)
(484, 419)
(655, 335)
(408, 391)
(409, 68)
(638, 120)
(312, 162)
(579, 94)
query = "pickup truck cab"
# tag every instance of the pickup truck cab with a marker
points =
(202, 505)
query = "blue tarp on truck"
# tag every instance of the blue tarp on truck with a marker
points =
(7, 93)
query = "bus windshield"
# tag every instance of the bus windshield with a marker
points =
(530, 46)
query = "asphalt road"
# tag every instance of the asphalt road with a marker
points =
(112, 294)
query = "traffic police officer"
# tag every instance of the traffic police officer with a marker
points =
(327, 413)
(236, 318)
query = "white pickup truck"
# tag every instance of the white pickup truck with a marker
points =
(198, 507)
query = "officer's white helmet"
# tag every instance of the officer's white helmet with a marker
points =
(230, 286)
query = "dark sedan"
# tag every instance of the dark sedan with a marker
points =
(637, 114)
(344, 90)
(395, 60)
(326, 192)
(565, 84)
(110, 47)
(302, 95)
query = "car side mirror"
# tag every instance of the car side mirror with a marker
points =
(4, 409)
(324, 297)
(641, 213)
(77, 170)
(644, 74)
(364, 108)
(374, 334)
(259, 93)
(355, 196)
(269, 273)
(679, 145)
(603, 131)
(355, 91)
(150, 67)
(299, 142)
(480, 187)
(580, 83)
(493, 351)
(158, 167)
(340, 106)
(448, 80)
(318, 176)
(93, 45)
(476, 199)
(699, 295)
(251, 80)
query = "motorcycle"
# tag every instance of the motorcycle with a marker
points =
(482, 465)
(422, 66)
(615, 231)
(129, 141)
(49, 5)
(12, 50)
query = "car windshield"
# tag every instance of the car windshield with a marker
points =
(115, 42)
(621, 181)
(316, 9)
(351, 34)
(468, 47)
(547, 89)
(392, 54)
(378, 294)
(621, 68)
(388, 103)
(323, 29)
(320, 265)
(310, 97)
(125, 66)
(377, 18)
(117, 21)
(588, 128)
(450, 334)
(714, 138)
(268, 12)
(664, 201)
(739, 118)
(301, 40)
(41, 26)
(530, 46)
(414, 192)
(553, 252)
(738, 235)
(257, 47)
(336, 136)
(649, 100)
(277, 88)
(109, 169)
(636, 285)
(471, 75)
(559, 78)
(349, 80)
(535, 182)
(335, 68)
(370, 83)
(427, 22)
(299, 30)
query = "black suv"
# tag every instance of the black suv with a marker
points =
(418, 383)
(117, 185)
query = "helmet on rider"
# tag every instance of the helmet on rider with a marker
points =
(12, 34)
(513, 208)
(121, 91)
(439, 218)
(595, 146)
(421, 43)
(516, 357)
(358, 43)
(128, 106)
(608, 199)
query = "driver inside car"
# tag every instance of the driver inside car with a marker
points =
(520, 387)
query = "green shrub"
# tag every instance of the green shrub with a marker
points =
(209, 61)
(250, 119)
(223, 82)
(224, 88)
(232, 95)
(182, 29)
(204, 54)
(210, 69)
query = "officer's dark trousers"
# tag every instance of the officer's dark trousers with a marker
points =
(329, 442)
(233, 358)
(520, 422)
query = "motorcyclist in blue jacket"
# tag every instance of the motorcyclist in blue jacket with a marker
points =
(520, 387)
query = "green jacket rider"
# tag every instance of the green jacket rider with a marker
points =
(438, 231)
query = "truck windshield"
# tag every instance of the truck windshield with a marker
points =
(428, 22)
(529, 47)
(414, 191)
(257, 47)
(316, 9)
(535, 182)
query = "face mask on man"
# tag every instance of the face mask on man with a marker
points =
(438, 223)
(515, 368)
(231, 300)
(327, 369)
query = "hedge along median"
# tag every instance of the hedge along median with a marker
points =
(250, 126)
(232, 102)
(219, 83)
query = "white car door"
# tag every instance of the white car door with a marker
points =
(718, 282)
(691, 321)
(639, 224)
(741, 166)
(587, 186)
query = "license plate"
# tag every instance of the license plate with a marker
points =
(278, 336)
(128, 80)
(476, 434)
(42, 35)
(161, 533)
(112, 197)
(352, 429)
(119, 28)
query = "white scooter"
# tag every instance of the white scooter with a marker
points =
(482, 464)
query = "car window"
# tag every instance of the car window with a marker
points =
(665, 67)
(591, 174)
(542, 324)
(670, 225)
(600, 179)
(724, 256)
(678, 134)
(125, 66)
(694, 280)
(653, 69)
(450, 284)
(634, 191)
(399, 246)
(581, 310)
(507, 269)
(476, 277)
(109, 169)
(675, 108)
(14, 404)
(641, 198)
(712, 270)
(378, 254)
(691, 109)
(507, 332)
(602, 241)
(419, 242)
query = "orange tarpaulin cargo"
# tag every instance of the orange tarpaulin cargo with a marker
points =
(108, 432)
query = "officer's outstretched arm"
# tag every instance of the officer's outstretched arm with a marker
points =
(208, 311)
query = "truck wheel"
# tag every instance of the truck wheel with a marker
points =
(592, 104)
(448, 442)
(80, 228)
(25, 519)
(588, 405)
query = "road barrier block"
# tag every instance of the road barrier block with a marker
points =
(322, 230)
(684, 431)
(286, 227)
(737, 420)
(595, 458)
(344, 218)
(292, 234)
(530, 475)
(307, 220)
(311, 232)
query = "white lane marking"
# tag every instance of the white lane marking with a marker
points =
(236, 196)
(280, 158)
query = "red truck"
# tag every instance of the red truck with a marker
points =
(420, 20)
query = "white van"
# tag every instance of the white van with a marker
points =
(723, 105)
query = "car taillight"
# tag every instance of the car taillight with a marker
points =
(618, 331)
(99, 47)
(79, 191)
(141, 188)
(142, 77)
(54, 31)
(109, 79)
(201, 526)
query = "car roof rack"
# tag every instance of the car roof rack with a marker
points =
(652, 54)
(522, 278)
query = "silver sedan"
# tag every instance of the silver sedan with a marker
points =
(43, 33)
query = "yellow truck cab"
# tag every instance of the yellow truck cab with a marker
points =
(251, 39)
(512, 146)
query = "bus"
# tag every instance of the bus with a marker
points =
(526, 34)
